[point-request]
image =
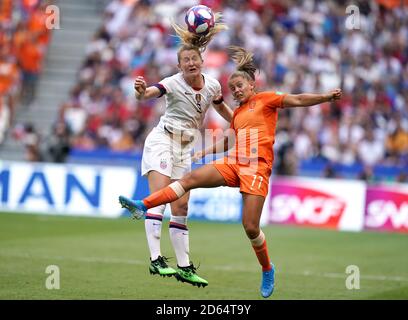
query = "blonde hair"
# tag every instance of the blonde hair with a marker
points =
(192, 41)
(245, 64)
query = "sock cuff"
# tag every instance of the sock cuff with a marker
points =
(178, 222)
(177, 188)
(259, 240)
(176, 225)
(154, 216)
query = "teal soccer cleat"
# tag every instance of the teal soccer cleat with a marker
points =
(268, 282)
(135, 207)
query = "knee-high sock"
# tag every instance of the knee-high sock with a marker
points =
(180, 239)
(153, 225)
(168, 194)
(261, 251)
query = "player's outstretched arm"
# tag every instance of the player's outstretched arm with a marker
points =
(224, 110)
(310, 99)
(221, 146)
(144, 93)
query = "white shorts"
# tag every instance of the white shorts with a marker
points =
(162, 154)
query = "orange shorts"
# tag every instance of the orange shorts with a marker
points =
(252, 178)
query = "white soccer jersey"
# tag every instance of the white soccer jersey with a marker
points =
(186, 107)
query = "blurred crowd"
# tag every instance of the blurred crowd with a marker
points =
(300, 46)
(24, 40)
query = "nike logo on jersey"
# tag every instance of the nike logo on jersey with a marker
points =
(188, 93)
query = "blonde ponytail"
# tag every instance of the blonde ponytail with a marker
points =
(245, 64)
(190, 39)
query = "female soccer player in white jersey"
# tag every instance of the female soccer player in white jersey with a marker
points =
(167, 149)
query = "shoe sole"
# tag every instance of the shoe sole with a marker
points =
(161, 275)
(267, 296)
(197, 284)
(136, 213)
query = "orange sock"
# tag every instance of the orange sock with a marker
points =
(165, 195)
(263, 256)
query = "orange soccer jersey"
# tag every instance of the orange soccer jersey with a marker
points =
(249, 164)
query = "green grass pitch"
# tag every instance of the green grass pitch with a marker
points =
(108, 259)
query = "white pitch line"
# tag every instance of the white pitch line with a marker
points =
(217, 268)
(79, 259)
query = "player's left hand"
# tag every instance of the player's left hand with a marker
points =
(197, 156)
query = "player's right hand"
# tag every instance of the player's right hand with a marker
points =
(140, 87)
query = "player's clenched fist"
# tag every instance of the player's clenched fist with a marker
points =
(140, 87)
(335, 94)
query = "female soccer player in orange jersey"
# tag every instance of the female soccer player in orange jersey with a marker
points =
(249, 164)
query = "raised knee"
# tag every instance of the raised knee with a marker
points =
(185, 182)
(190, 180)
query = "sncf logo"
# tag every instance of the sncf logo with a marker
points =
(391, 213)
(307, 207)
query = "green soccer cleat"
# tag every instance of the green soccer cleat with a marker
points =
(160, 267)
(188, 274)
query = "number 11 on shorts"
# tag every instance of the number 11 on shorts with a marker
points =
(253, 181)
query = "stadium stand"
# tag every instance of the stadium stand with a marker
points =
(24, 42)
(299, 46)
(60, 61)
